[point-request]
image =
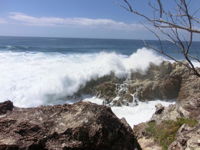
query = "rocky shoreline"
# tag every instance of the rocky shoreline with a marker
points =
(179, 124)
(93, 127)
(161, 82)
(80, 126)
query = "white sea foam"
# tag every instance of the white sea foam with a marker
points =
(32, 79)
(134, 114)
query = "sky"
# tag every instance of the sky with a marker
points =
(72, 18)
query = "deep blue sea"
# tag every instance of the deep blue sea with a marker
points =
(84, 45)
(36, 71)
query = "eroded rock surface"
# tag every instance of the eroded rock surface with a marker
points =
(187, 138)
(158, 82)
(81, 126)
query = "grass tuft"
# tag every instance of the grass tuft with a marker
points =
(165, 133)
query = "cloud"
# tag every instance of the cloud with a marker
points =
(2, 21)
(81, 22)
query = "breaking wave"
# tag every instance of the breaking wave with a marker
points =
(32, 79)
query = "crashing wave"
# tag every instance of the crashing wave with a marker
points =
(32, 79)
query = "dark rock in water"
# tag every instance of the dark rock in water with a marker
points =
(106, 90)
(159, 108)
(158, 82)
(81, 126)
(5, 107)
(92, 86)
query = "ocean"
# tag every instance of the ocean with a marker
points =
(44, 71)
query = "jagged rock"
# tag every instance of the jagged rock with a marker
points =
(5, 107)
(81, 126)
(155, 83)
(158, 82)
(188, 100)
(107, 91)
(159, 108)
(154, 72)
(166, 113)
(93, 86)
(183, 86)
(187, 139)
(148, 144)
(160, 89)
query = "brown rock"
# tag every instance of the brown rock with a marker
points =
(188, 100)
(81, 126)
(187, 139)
(159, 108)
(5, 107)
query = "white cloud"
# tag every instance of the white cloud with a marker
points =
(56, 21)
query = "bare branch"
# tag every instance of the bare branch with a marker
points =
(172, 23)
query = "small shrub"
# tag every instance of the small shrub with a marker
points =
(164, 133)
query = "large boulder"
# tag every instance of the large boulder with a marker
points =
(81, 126)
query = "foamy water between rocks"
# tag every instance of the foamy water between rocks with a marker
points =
(134, 114)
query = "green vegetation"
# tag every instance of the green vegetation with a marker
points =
(164, 133)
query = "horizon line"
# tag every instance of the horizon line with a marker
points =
(84, 38)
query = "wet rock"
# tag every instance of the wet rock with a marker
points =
(159, 82)
(154, 72)
(160, 89)
(91, 87)
(106, 90)
(81, 126)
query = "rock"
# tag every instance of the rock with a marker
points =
(160, 89)
(91, 87)
(188, 100)
(159, 108)
(154, 72)
(148, 144)
(159, 82)
(187, 139)
(107, 91)
(178, 123)
(81, 126)
(5, 107)
(166, 113)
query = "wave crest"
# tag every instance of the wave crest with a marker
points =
(32, 79)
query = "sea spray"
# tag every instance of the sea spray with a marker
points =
(37, 78)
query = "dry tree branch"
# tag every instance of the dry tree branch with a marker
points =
(175, 21)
